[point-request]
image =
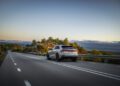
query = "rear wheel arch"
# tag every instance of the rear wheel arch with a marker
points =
(48, 56)
(57, 57)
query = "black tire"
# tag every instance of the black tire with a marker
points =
(48, 57)
(57, 57)
(74, 59)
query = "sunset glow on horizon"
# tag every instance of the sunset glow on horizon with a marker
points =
(74, 19)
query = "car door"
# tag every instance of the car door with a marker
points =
(55, 50)
(51, 53)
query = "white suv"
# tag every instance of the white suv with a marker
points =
(60, 52)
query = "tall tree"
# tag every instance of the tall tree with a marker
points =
(43, 40)
(65, 41)
(96, 52)
(50, 39)
(75, 45)
(81, 50)
(34, 43)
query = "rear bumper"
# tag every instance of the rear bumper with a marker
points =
(69, 56)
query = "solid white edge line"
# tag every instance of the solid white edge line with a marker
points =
(18, 69)
(90, 71)
(93, 70)
(27, 83)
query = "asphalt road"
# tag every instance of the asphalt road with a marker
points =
(30, 70)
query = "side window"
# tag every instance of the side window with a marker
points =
(57, 47)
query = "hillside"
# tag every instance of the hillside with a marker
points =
(103, 46)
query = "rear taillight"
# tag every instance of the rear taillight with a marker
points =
(68, 50)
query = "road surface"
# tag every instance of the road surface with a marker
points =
(20, 69)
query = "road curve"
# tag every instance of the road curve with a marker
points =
(20, 69)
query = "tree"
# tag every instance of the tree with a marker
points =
(28, 49)
(0, 49)
(56, 41)
(75, 45)
(82, 50)
(96, 52)
(42, 48)
(16, 47)
(34, 46)
(43, 40)
(50, 39)
(45, 44)
(34, 43)
(65, 41)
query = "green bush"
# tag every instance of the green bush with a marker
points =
(97, 60)
(86, 59)
(96, 52)
(2, 53)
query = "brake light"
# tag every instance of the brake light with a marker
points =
(68, 50)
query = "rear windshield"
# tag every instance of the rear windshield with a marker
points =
(67, 47)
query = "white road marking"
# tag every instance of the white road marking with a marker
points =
(11, 58)
(108, 75)
(27, 83)
(18, 69)
(15, 64)
(32, 57)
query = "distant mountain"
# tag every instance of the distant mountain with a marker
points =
(100, 45)
(23, 43)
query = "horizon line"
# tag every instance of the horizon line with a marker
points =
(53, 38)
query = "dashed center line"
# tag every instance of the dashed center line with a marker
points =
(12, 59)
(15, 64)
(18, 69)
(27, 83)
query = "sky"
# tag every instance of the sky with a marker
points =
(74, 19)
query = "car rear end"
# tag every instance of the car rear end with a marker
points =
(68, 52)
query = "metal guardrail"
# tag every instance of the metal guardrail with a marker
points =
(103, 58)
